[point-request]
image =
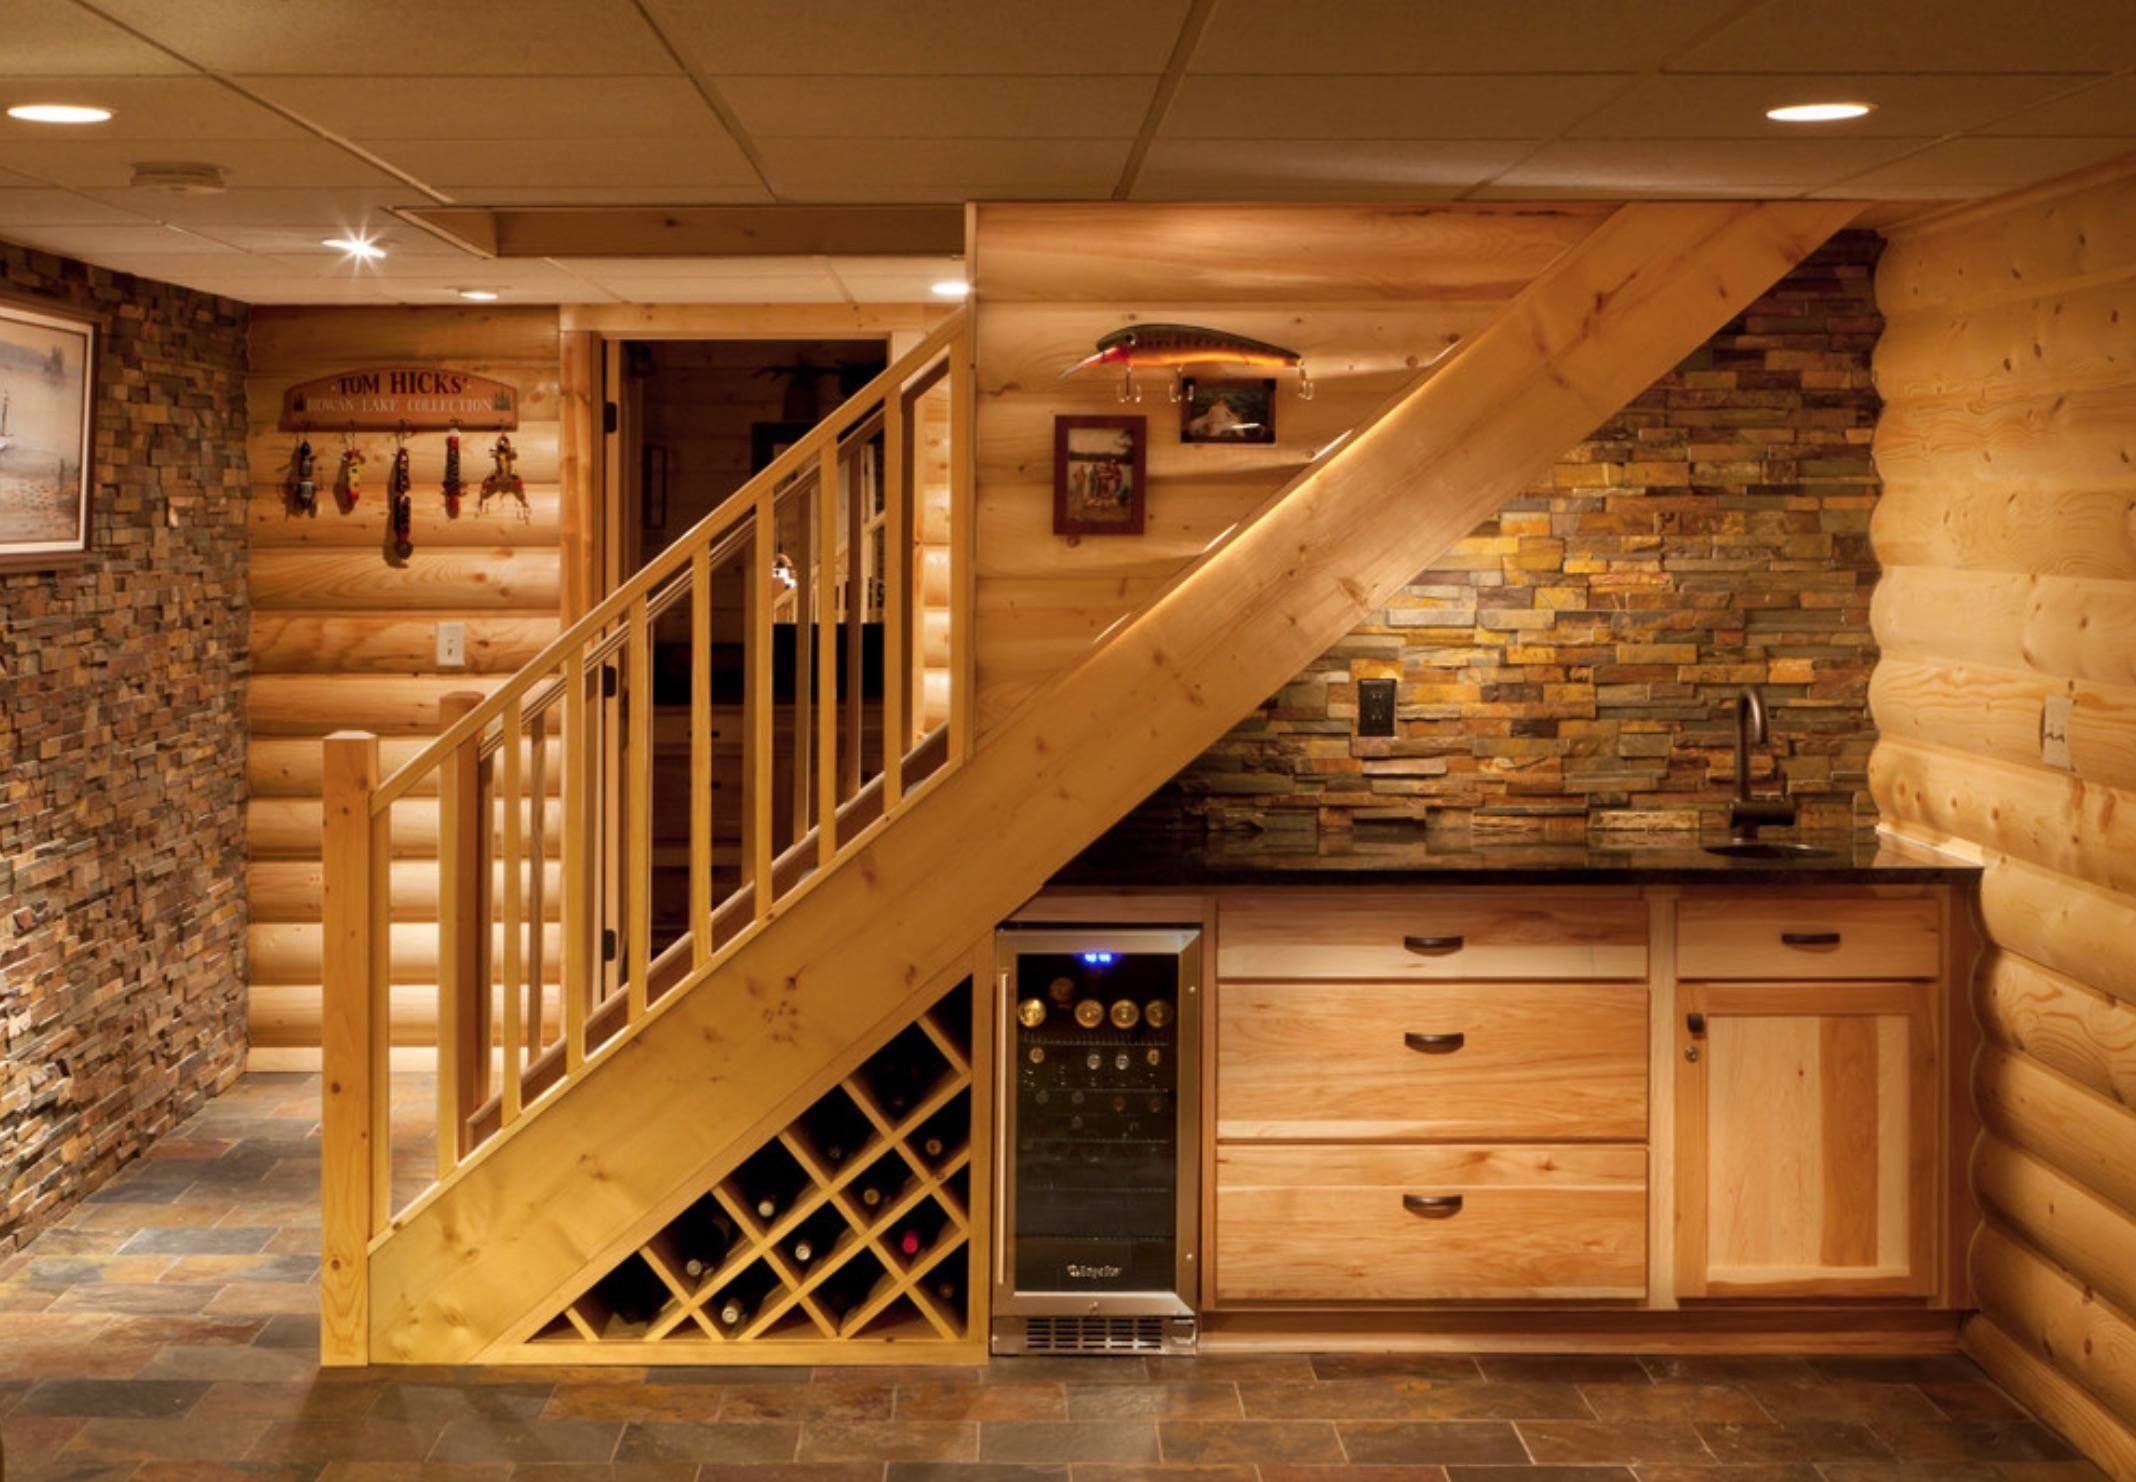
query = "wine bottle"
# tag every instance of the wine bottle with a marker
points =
(704, 1235)
(931, 1149)
(803, 1251)
(743, 1298)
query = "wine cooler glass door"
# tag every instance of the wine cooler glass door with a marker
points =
(1098, 1120)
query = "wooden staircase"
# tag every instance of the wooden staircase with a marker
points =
(581, 1146)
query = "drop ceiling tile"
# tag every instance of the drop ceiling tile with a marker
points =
(448, 107)
(1309, 169)
(1609, 192)
(462, 37)
(895, 288)
(1919, 36)
(2106, 110)
(714, 290)
(145, 109)
(941, 169)
(1444, 106)
(103, 244)
(1977, 166)
(332, 211)
(820, 107)
(921, 37)
(1732, 105)
(400, 239)
(36, 206)
(1640, 167)
(59, 38)
(451, 165)
(1362, 36)
(611, 195)
(108, 164)
(736, 268)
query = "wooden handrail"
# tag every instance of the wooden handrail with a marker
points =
(743, 501)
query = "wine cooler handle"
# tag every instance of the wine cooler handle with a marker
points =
(1432, 946)
(1432, 1206)
(1809, 938)
(1434, 1044)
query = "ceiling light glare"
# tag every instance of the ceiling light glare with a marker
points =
(478, 295)
(952, 288)
(1818, 112)
(60, 113)
(359, 247)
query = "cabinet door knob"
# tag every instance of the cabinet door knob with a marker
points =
(1695, 1023)
(1809, 938)
(1434, 1044)
(1432, 1206)
(1433, 946)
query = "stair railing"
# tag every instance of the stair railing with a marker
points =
(547, 798)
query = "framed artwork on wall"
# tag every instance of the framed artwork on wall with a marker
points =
(1099, 475)
(47, 407)
(1215, 410)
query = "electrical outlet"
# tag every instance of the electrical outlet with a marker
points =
(2054, 731)
(1375, 707)
(452, 645)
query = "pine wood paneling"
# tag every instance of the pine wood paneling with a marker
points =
(2009, 527)
(344, 637)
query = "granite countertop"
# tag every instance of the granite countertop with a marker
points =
(1180, 861)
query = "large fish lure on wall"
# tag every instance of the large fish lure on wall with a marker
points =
(1173, 347)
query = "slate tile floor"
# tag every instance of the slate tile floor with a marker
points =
(166, 1332)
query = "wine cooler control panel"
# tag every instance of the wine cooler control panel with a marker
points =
(1098, 1115)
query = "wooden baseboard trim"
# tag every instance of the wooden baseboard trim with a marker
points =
(1748, 1330)
(2104, 1437)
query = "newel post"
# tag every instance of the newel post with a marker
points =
(353, 1041)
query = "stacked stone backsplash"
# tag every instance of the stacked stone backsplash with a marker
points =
(122, 845)
(1564, 676)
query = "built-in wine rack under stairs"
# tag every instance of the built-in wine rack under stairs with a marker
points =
(851, 1229)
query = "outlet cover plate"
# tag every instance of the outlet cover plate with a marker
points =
(452, 645)
(1375, 707)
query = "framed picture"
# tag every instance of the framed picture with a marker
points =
(1099, 473)
(47, 402)
(1227, 411)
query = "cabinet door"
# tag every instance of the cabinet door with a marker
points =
(1806, 1137)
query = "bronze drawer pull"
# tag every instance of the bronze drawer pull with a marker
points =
(1433, 946)
(1432, 1206)
(1809, 938)
(1434, 1044)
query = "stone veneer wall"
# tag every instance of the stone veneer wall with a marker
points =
(1563, 678)
(122, 845)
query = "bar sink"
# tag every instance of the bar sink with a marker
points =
(1768, 849)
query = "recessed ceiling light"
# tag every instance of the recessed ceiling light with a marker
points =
(59, 113)
(952, 288)
(479, 295)
(362, 247)
(1817, 112)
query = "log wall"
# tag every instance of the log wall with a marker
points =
(344, 635)
(2007, 448)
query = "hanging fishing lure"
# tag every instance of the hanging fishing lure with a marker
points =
(1172, 347)
(304, 485)
(352, 474)
(453, 487)
(504, 477)
(400, 507)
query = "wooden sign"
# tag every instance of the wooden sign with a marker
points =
(397, 399)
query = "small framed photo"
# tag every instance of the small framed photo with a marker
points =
(47, 405)
(1227, 411)
(1099, 475)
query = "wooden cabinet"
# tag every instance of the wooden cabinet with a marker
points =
(1806, 1138)
(1816, 934)
(1403, 935)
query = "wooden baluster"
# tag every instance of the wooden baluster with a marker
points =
(701, 757)
(756, 704)
(638, 886)
(510, 802)
(537, 869)
(962, 517)
(806, 583)
(462, 925)
(826, 636)
(353, 1198)
(856, 611)
(897, 573)
(580, 919)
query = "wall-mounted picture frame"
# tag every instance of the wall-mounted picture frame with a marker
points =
(47, 442)
(1217, 409)
(1100, 475)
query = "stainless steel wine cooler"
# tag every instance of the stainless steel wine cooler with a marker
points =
(1098, 1203)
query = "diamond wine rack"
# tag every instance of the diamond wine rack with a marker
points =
(850, 1229)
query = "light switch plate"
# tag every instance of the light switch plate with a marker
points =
(452, 645)
(2054, 731)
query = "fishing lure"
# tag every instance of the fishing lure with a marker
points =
(304, 489)
(504, 477)
(453, 487)
(401, 505)
(352, 474)
(1173, 346)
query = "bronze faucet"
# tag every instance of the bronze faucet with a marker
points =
(1745, 813)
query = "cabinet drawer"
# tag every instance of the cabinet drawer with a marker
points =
(1357, 934)
(1807, 935)
(1384, 1224)
(1379, 1061)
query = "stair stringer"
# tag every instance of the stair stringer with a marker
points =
(564, 1190)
